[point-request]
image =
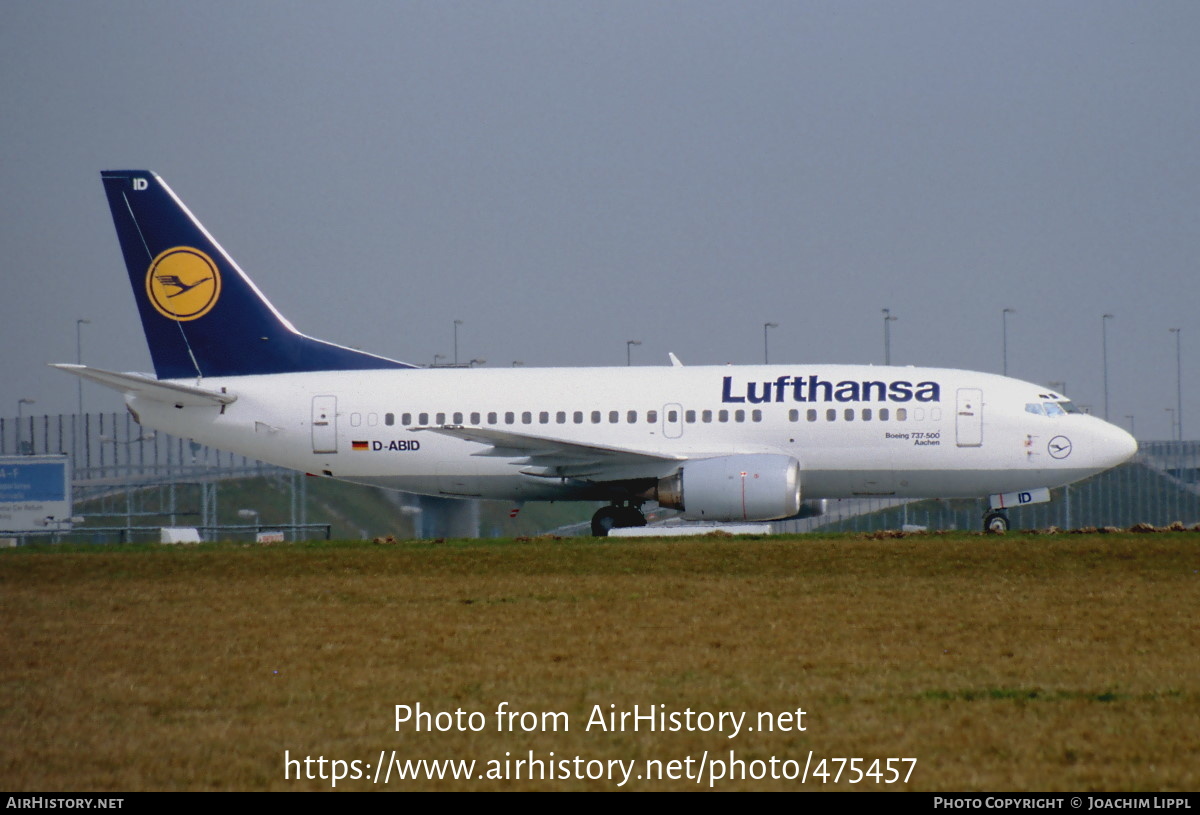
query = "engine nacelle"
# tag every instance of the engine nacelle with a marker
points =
(734, 488)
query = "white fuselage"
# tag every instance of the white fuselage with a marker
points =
(855, 430)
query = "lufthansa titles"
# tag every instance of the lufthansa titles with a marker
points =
(814, 389)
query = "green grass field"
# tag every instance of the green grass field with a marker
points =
(1067, 662)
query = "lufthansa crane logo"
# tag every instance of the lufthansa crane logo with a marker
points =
(183, 283)
(1059, 447)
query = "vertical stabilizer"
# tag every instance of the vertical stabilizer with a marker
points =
(202, 315)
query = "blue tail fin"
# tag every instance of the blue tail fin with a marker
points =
(202, 315)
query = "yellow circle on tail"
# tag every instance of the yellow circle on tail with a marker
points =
(183, 283)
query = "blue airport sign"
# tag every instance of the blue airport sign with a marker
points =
(35, 493)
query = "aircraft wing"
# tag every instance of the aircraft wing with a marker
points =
(557, 458)
(150, 388)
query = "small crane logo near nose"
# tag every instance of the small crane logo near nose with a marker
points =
(1059, 447)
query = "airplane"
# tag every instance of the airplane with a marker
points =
(717, 443)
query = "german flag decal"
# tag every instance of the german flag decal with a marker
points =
(360, 445)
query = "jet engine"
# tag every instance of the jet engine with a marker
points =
(759, 487)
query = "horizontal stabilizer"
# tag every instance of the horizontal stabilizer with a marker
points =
(144, 386)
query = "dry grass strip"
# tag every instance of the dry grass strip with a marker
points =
(1000, 663)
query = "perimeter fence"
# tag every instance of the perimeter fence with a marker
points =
(1159, 487)
(126, 475)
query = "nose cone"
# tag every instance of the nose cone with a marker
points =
(1117, 445)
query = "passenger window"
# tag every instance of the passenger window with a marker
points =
(739, 415)
(441, 418)
(492, 417)
(406, 419)
(902, 414)
(614, 416)
(883, 414)
(560, 417)
(812, 415)
(918, 414)
(793, 415)
(389, 419)
(830, 415)
(372, 419)
(544, 417)
(526, 417)
(509, 417)
(652, 416)
(722, 415)
(706, 416)
(849, 414)
(458, 418)
(595, 417)
(355, 419)
(866, 414)
(578, 417)
(756, 415)
(423, 418)
(689, 416)
(631, 417)
(672, 416)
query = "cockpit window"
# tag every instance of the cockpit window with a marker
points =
(1051, 408)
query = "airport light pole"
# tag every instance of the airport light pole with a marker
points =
(1178, 382)
(888, 319)
(629, 351)
(1132, 427)
(457, 323)
(1004, 326)
(79, 324)
(21, 403)
(1172, 412)
(766, 349)
(1104, 347)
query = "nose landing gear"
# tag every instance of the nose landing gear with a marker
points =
(996, 523)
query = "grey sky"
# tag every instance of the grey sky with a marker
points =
(564, 177)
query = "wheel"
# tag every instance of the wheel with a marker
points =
(630, 516)
(996, 523)
(604, 520)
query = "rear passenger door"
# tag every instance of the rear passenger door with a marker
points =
(324, 424)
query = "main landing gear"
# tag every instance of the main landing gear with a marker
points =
(617, 517)
(995, 522)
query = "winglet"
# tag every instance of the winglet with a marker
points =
(675, 363)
